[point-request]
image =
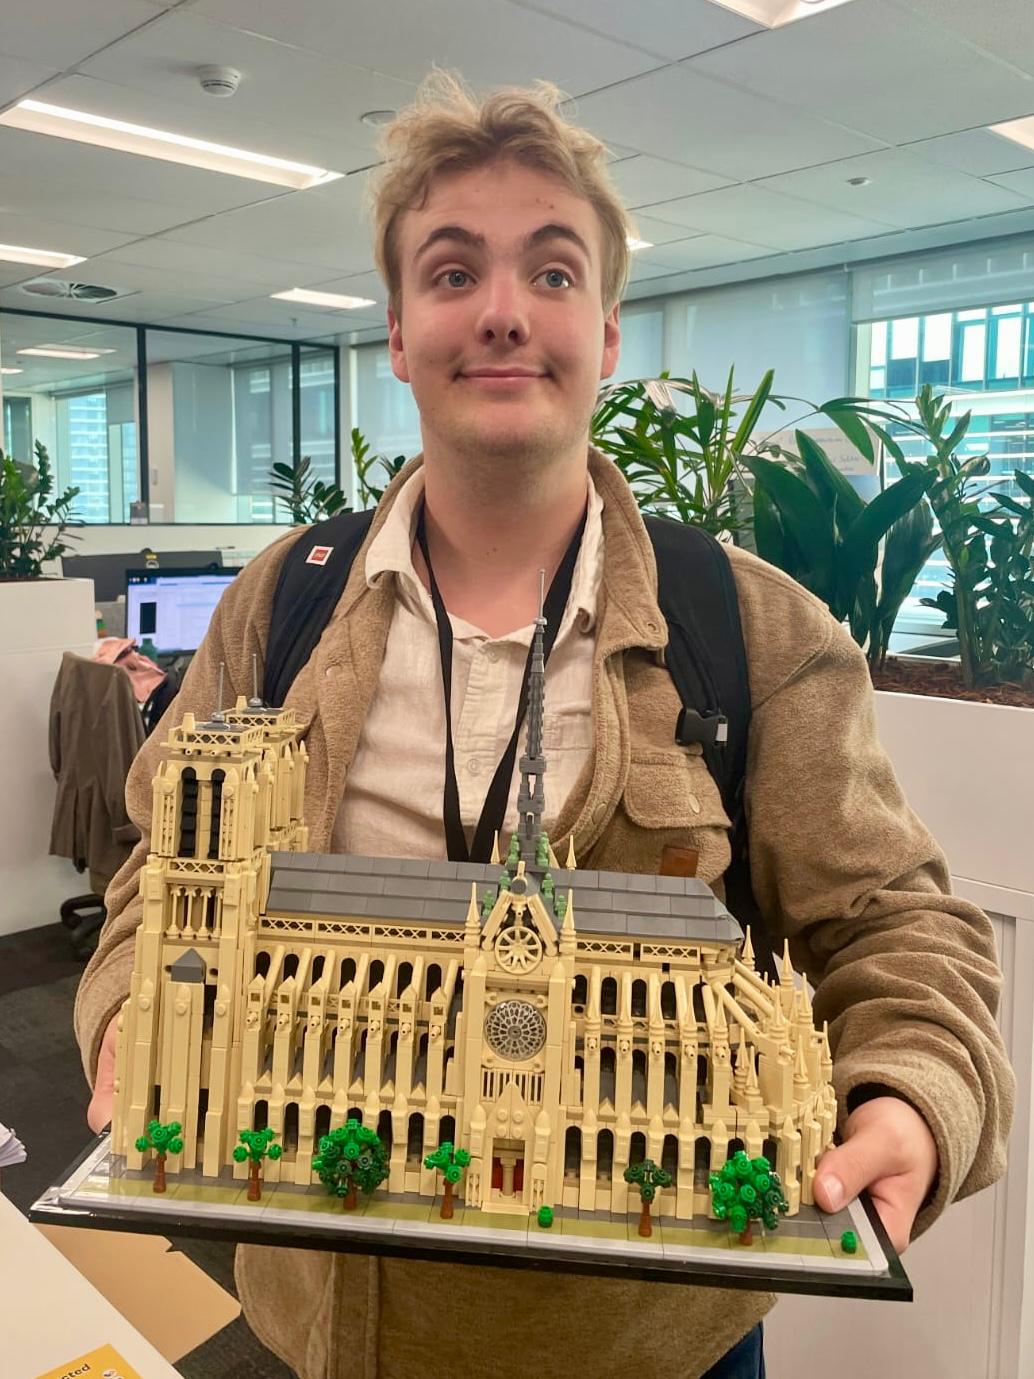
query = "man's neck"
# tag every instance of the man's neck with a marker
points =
(487, 548)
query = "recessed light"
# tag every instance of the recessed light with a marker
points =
(378, 117)
(85, 128)
(1019, 131)
(333, 299)
(62, 352)
(40, 258)
(636, 244)
(858, 181)
(773, 14)
(6, 370)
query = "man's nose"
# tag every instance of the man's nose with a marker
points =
(504, 315)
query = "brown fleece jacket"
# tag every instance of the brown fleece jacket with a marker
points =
(906, 974)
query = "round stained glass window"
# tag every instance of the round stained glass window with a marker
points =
(515, 1030)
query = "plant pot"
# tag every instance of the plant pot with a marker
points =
(965, 769)
(41, 619)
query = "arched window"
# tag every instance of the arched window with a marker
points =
(605, 1155)
(260, 1115)
(608, 1074)
(347, 971)
(609, 996)
(318, 964)
(261, 963)
(384, 1129)
(770, 1149)
(405, 976)
(639, 997)
(415, 1145)
(671, 1081)
(572, 1152)
(354, 1113)
(432, 981)
(735, 1145)
(218, 776)
(701, 1161)
(699, 1014)
(290, 1140)
(188, 813)
(376, 974)
(637, 1148)
(581, 990)
(669, 1004)
(321, 1125)
(447, 1130)
(291, 965)
(391, 1061)
(639, 1076)
(579, 1077)
(670, 1155)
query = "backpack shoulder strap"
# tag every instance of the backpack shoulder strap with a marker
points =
(707, 660)
(312, 579)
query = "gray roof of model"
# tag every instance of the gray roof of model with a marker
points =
(387, 888)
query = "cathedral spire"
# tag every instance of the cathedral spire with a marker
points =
(530, 798)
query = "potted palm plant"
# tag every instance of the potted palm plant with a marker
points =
(42, 616)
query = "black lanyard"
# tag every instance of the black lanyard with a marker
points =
(493, 811)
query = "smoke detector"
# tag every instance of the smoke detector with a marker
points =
(79, 292)
(219, 81)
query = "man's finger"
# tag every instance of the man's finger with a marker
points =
(851, 1166)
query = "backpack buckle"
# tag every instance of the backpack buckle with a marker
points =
(711, 729)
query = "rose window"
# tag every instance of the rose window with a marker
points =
(518, 948)
(515, 1030)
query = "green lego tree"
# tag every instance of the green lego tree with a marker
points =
(747, 1190)
(647, 1177)
(163, 1139)
(351, 1156)
(452, 1162)
(256, 1145)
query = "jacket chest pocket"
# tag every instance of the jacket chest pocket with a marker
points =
(670, 797)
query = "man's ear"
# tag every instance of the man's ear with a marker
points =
(611, 341)
(396, 349)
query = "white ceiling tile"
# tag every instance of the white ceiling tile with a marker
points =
(975, 151)
(231, 320)
(18, 77)
(657, 231)
(643, 270)
(876, 68)
(1002, 27)
(292, 103)
(704, 251)
(667, 31)
(688, 118)
(642, 180)
(112, 271)
(37, 232)
(302, 321)
(904, 191)
(780, 222)
(490, 41)
(62, 32)
(1020, 182)
(229, 266)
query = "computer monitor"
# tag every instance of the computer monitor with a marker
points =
(172, 608)
(108, 572)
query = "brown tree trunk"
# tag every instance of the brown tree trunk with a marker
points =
(747, 1238)
(350, 1202)
(446, 1212)
(159, 1173)
(645, 1225)
(254, 1182)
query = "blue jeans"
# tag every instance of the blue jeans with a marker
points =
(746, 1360)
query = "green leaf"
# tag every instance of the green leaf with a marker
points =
(802, 515)
(851, 424)
(828, 481)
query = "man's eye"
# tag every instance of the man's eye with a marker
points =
(451, 273)
(554, 273)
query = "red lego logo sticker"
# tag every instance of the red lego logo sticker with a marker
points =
(319, 555)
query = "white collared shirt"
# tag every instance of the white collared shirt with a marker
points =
(392, 802)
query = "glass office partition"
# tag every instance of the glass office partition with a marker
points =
(72, 385)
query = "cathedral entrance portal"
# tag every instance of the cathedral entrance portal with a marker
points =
(508, 1174)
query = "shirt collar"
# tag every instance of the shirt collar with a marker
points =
(391, 553)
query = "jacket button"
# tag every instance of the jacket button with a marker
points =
(598, 813)
(694, 804)
(330, 672)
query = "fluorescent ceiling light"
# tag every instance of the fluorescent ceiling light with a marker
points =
(62, 352)
(636, 244)
(40, 118)
(773, 14)
(334, 299)
(41, 258)
(1019, 131)
(5, 370)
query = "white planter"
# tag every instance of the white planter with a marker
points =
(39, 620)
(968, 771)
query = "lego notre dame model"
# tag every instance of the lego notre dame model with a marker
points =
(516, 1035)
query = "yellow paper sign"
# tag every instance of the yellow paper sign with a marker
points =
(103, 1363)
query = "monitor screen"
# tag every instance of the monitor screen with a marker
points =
(172, 608)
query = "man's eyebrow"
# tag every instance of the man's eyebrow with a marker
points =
(456, 234)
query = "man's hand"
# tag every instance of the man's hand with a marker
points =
(888, 1149)
(99, 1113)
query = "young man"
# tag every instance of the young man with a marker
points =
(504, 249)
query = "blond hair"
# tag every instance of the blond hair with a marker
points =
(448, 129)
